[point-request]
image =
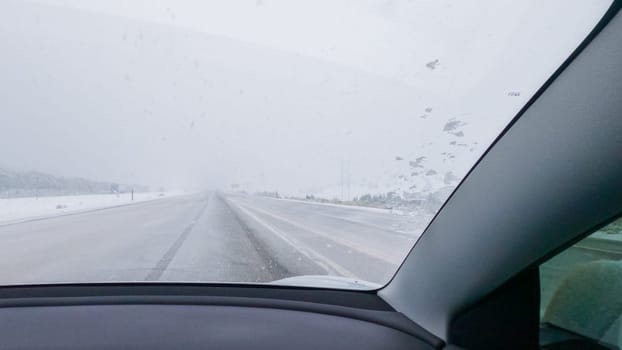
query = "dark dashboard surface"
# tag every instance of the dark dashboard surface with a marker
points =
(167, 317)
(190, 327)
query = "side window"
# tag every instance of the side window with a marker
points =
(581, 289)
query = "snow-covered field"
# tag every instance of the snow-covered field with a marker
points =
(18, 209)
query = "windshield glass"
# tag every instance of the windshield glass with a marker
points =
(252, 141)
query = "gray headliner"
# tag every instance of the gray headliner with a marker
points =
(554, 175)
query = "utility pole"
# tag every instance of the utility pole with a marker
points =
(341, 180)
(345, 180)
(349, 178)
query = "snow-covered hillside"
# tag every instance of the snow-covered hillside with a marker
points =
(422, 177)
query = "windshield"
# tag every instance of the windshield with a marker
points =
(254, 141)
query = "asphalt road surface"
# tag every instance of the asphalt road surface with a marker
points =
(207, 238)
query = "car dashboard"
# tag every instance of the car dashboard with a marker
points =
(199, 317)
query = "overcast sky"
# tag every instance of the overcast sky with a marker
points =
(271, 94)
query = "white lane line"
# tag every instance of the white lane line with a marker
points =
(340, 206)
(378, 254)
(403, 234)
(410, 235)
(330, 266)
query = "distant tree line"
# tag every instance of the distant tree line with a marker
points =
(33, 183)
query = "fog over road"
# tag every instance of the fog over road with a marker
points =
(208, 238)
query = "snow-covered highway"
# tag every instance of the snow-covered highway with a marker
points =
(207, 238)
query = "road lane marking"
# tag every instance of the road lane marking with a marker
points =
(272, 265)
(162, 264)
(403, 234)
(411, 235)
(330, 266)
(380, 255)
(334, 205)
